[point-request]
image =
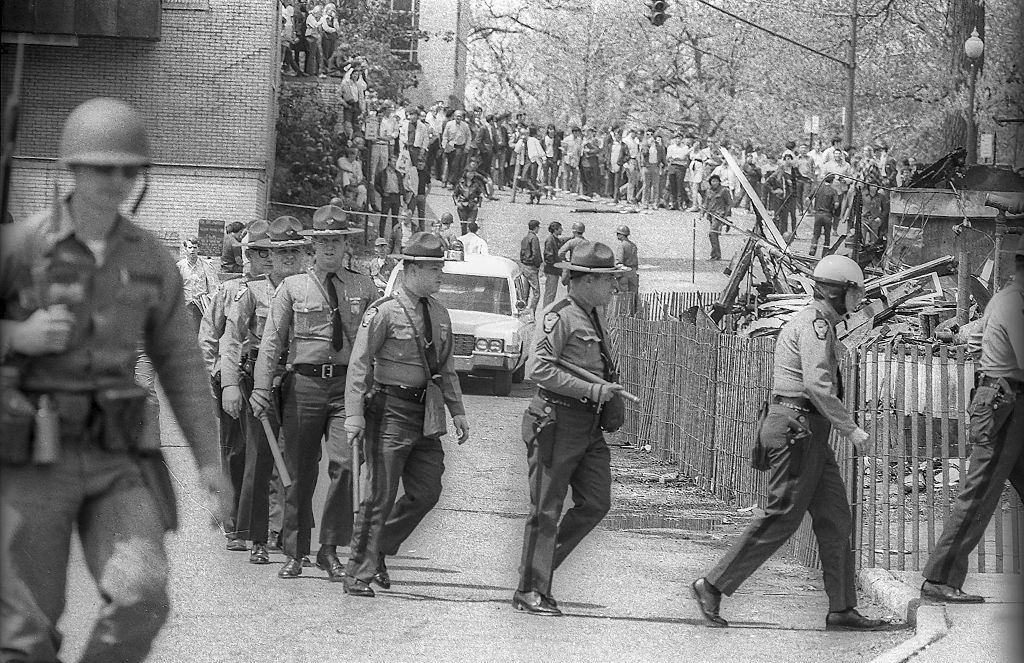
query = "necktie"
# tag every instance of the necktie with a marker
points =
(337, 335)
(606, 357)
(428, 332)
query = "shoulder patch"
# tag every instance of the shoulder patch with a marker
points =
(551, 319)
(820, 328)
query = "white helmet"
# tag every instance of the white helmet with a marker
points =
(839, 271)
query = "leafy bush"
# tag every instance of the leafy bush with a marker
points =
(308, 146)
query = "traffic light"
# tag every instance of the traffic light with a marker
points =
(656, 12)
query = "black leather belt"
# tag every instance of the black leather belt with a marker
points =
(795, 402)
(991, 381)
(582, 404)
(411, 394)
(324, 371)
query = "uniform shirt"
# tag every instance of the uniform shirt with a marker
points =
(626, 255)
(386, 351)
(134, 299)
(807, 358)
(211, 328)
(247, 314)
(300, 316)
(565, 252)
(568, 333)
(1002, 334)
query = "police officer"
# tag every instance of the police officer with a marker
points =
(82, 288)
(401, 376)
(997, 436)
(284, 247)
(314, 315)
(803, 474)
(562, 425)
(626, 255)
(211, 330)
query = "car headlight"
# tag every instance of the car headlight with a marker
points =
(495, 345)
(481, 344)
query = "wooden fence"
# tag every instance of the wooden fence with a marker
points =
(700, 393)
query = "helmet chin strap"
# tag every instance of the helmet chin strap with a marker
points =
(142, 193)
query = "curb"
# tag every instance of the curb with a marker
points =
(930, 621)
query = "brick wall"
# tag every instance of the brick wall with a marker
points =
(207, 90)
(443, 63)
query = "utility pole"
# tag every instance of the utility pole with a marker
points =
(851, 73)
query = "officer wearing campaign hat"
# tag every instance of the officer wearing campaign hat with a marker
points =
(401, 377)
(803, 476)
(314, 316)
(82, 287)
(211, 333)
(564, 425)
(629, 283)
(997, 440)
(285, 246)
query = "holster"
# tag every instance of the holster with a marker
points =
(613, 413)
(538, 428)
(120, 413)
(434, 423)
(157, 478)
(759, 453)
(17, 421)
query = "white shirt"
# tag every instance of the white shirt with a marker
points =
(534, 150)
(473, 243)
(436, 122)
(677, 154)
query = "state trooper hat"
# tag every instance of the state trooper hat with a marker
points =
(258, 235)
(422, 247)
(330, 220)
(286, 231)
(593, 257)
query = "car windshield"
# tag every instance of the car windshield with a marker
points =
(470, 292)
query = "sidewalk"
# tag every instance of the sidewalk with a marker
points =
(977, 633)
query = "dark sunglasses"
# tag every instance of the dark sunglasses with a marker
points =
(130, 172)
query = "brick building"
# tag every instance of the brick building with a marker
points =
(441, 57)
(204, 75)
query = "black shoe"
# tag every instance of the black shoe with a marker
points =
(851, 620)
(709, 602)
(356, 587)
(259, 554)
(381, 577)
(305, 561)
(328, 561)
(535, 603)
(292, 569)
(238, 545)
(935, 591)
(274, 542)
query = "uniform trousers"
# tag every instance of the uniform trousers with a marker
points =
(232, 456)
(817, 489)
(395, 450)
(581, 460)
(102, 495)
(253, 519)
(997, 436)
(314, 409)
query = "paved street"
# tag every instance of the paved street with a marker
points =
(625, 590)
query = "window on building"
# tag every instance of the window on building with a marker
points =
(138, 19)
(405, 15)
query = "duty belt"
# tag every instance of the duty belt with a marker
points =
(795, 403)
(1016, 386)
(581, 404)
(324, 371)
(411, 394)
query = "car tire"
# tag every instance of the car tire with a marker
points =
(502, 383)
(520, 374)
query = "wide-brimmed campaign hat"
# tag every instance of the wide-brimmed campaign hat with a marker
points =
(330, 220)
(286, 231)
(258, 235)
(592, 257)
(422, 247)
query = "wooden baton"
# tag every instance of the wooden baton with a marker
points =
(584, 374)
(357, 484)
(275, 450)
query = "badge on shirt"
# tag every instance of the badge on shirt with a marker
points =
(371, 313)
(354, 304)
(550, 320)
(821, 328)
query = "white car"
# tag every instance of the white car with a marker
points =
(493, 330)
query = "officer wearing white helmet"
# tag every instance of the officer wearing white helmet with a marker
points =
(803, 475)
(626, 255)
(997, 441)
(82, 287)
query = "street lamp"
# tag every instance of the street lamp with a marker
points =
(973, 48)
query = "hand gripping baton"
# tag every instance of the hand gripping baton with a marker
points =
(275, 450)
(357, 484)
(584, 374)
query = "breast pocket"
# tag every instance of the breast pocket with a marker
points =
(403, 341)
(352, 312)
(311, 320)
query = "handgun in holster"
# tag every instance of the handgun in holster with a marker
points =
(796, 440)
(538, 430)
